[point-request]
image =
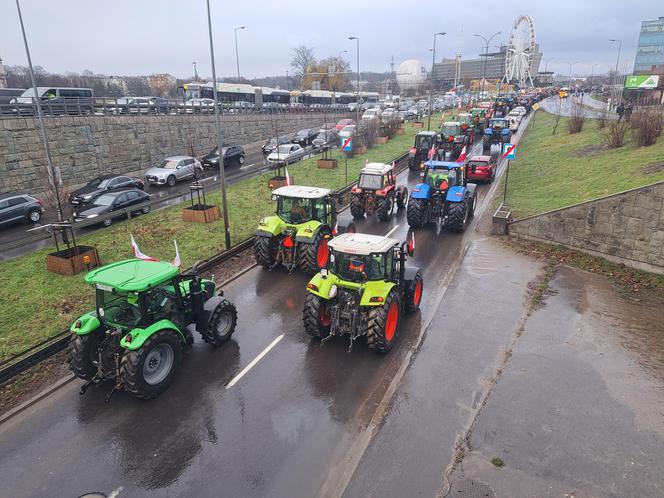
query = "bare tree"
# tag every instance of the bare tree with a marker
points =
(303, 57)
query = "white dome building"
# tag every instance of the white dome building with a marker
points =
(411, 75)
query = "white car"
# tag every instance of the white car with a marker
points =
(173, 169)
(388, 115)
(347, 131)
(516, 115)
(514, 123)
(288, 153)
(198, 105)
(521, 110)
(371, 114)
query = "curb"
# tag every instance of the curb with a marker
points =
(36, 398)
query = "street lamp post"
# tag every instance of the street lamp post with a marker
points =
(592, 75)
(357, 110)
(217, 130)
(433, 65)
(570, 74)
(486, 55)
(615, 74)
(195, 71)
(237, 56)
(54, 178)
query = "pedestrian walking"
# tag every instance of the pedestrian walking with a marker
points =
(620, 110)
(628, 112)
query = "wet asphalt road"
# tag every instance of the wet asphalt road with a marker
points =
(278, 431)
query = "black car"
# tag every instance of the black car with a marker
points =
(271, 145)
(305, 137)
(115, 201)
(104, 183)
(232, 154)
(20, 207)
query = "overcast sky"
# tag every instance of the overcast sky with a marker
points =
(126, 37)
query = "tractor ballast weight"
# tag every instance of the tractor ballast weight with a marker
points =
(418, 153)
(497, 132)
(377, 192)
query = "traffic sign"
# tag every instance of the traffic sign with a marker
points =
(347, 144)
(536, 106)
(642, 81)
(509, 151)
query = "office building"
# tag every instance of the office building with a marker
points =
(650, 51)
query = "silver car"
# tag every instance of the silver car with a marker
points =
(288, 153)
(20, 207)
(173, 169)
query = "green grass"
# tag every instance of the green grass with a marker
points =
(554, 171)
(36, 304)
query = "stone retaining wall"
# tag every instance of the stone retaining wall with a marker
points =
(627, 227)
(86, 146)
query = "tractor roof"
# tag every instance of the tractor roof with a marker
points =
(132, 275)
(302, 192)
(428, 133)
(362, 243)
(451, 123)
(376, 168)
(465, 114)
(480, 158)
(442, 165)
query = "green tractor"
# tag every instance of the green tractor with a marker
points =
(479, 120)
(364, 291)
(143, 322)
(467, 125)
(298, 235)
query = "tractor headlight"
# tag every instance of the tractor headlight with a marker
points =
(333, 292)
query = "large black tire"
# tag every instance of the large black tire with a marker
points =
(412, 164)
(170, 181)
(82, 355)
(486, 144)
(382, 327)
(221, 324)
(472, 204)
(357, 206)
(311, 316)
(402, 197)
(385, 207)
(415, 213)
(316, 255)
(457, 216)
(34, 215)
(132, 371)
(413, 294)
(265, 249)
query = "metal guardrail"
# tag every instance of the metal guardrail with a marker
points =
(34, 355)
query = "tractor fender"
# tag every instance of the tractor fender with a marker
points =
(378, 289)
(89, 323)
(456, 194)
(306, 232)
(136, 338)
(421, 191)
(505, 131)
(471, 188)
(488, 131)
(320, 286)
(208, 308)
(270, 226)
(409, 276)
(344, 224)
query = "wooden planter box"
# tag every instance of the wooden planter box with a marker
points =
(381, 140)
(278, 181)
(361, 150)
(327, 163)
(401, 131)
(418, 124)
(72, 261)
(200, 213)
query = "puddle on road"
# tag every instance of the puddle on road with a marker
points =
(482, 259)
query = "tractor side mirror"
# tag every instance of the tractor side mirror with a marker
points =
(274, 197)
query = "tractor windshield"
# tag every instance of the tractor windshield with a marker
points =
(370, 182)
(294, 209)
(358, 268)
(498, 123)
(438, 179)
(121, 309)
(451, 130)
(424, 142)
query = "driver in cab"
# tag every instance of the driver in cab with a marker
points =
(297, 212)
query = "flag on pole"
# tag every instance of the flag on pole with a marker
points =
(462, 156)
(137, 252)
(288, 178)
(432, 153)
(176, 261)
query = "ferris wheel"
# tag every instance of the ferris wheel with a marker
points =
(520, 51)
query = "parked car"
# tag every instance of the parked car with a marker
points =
(521, 110)
(196, 106)
(305, 137)
(328, 137)
(406, 115)
(352, 107)
(55, 100)
(288, 153)
(272, 143)
(344, 122)
(347, 131)
(102, 184)
(116, 201)
(20, 207)
(8, 94)
(232, 154)
(481, 168)
(173, 169)
(371, 113)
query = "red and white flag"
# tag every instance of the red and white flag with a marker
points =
(288, 178)
(462, 156)
(176, 261)
(137, 252)
(412, 242)
(432, 153)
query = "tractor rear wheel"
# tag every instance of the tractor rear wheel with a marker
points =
(316, 316)
(82, 355)
(486, 144)
(402, 197)
(472, 204)
(221, 324)
(412, 164)
(415, 213)
(265, 251)
(148, 371)
(457, 216)
(385, 206)
(315, 256)
(382, 324)
(413, 295)
(357, 206)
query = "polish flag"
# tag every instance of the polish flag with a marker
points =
(412, 242)
(288, 178)
(137, 252)
(176, 261)
(462, 156)
(432, 153)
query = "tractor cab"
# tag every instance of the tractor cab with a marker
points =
(479, 115)
(497, 125)
(375, 176)
(466, 120)
(450, 131)
(441, 175)
(361, 257)
(298, 204)
(417, 154)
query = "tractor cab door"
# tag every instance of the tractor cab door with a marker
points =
(322, 210)
(166, 301)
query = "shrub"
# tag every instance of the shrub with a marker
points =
(576, 120)
(646, 126)
(366, 133)
(602, 120)
(614, 134)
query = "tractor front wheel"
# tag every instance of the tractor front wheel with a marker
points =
(385, 206)
(82, 356)
(382, 324)
(412, 164)
(265, 251)
(315, 256)
(413, 295)
(486, 144)
(357, 206)
(457, 216)
(221, 324)
(316, 316)
(415, 213)
(148, 371)
(402, 197)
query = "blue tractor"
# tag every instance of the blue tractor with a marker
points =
(497, 132)
(444, 197)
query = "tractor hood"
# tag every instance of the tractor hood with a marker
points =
(378, 289)
(272, 226)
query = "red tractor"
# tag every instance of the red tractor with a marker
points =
(377, 192)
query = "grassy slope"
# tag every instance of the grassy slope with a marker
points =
(553, 171)
(35, 304)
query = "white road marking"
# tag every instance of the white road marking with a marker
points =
(253, 363)
(391, 231)
(115, 492)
